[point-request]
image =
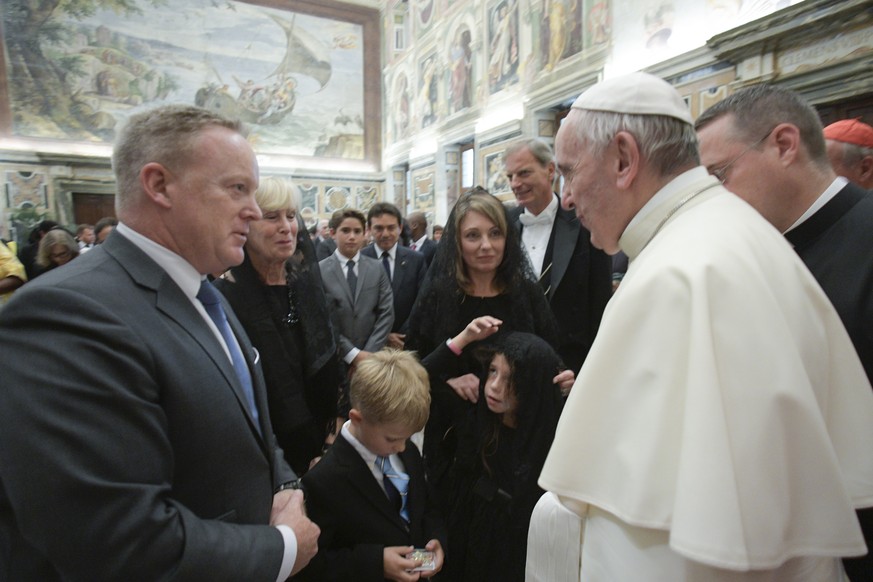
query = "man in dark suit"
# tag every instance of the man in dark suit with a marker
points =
(132, 447)
(405, 268)
(575, 276)
(358, 291)
(786, 176)
(418, 240)
(325, 246)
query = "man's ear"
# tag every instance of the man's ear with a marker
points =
(786, 137)
(866, 171)
(355, 416)
(627, 163)
(154, 179)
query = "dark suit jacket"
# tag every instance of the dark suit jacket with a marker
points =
(364, 321)
(580, 287)
(356, 518)
(324, 248)
(835, 243)
(128, 451)
(410, 268)
(428, 249)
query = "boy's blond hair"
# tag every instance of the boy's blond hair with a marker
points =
(391, 387)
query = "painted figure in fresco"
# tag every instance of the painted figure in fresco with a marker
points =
(460, 82)
(401, 116)
(558, 21)
(598, 23)
(503, 63)
(428, 92)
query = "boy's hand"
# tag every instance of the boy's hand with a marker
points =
(437, 549)
(396, 566)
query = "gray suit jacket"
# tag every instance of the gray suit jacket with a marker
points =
(365, 320)
(126, 446)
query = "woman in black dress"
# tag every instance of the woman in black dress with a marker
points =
(278, 296)
(480, 269)
(501, 450)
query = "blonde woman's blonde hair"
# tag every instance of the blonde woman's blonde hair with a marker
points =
(56, 236)
(275, 193)
(391, 387)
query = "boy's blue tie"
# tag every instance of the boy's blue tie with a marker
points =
(396, 486)
(208, 296)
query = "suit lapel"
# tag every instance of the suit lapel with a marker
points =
(361, 478)
(338, 271)
(562, 251)
(170, 301)
(397, 281)
(364, 273)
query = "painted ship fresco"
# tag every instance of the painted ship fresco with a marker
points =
(268, 102)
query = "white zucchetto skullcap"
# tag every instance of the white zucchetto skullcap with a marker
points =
(635, 94)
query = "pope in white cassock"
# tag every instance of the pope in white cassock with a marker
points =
(720, 428)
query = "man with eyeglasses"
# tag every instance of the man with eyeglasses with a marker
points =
(766, 145)
(718, 429)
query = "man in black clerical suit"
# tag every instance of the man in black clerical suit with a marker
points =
(766, 145)
(575, 276)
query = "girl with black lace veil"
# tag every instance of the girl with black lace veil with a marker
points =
(479, 269)
(277, 295)
(502, 446)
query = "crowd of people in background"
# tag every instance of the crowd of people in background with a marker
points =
(643, 349)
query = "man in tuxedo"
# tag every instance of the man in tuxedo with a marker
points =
(575, 276)
(134, 432)
(358, 291)
(405, 268)
(418, 236)
(766, 145)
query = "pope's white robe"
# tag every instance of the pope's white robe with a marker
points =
(722, 421)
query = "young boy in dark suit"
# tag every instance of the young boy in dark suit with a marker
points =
(368, 494)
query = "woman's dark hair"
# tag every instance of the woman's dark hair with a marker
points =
(435, 315)
(533, 365)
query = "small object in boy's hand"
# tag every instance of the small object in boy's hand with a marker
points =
(427, 558)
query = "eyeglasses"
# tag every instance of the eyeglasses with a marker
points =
(65, 254)
(721, 173)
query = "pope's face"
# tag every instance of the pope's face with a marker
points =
(587, 188)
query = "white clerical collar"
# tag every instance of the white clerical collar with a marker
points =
(549, 211)
(825, 197)
(180, 271)
(660, 207)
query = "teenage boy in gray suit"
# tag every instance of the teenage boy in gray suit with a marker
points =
(358, 291)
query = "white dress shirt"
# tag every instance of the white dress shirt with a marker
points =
(535, 235)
